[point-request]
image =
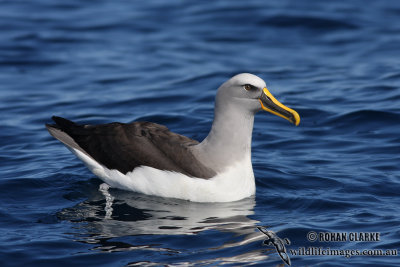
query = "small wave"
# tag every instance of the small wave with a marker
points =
(364, 119)
(307, 22)
(32, 62)
(391, 76)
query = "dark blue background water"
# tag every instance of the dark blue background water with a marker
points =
(336, 62)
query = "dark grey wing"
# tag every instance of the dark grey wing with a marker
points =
(124, 147)
(264, 231)
(281, 249)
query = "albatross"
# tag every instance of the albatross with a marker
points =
(146, 157)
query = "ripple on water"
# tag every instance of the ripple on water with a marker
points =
(338, 171)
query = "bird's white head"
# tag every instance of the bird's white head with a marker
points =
(249, 92)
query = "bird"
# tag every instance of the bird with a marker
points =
(278, 243)
(148, 158)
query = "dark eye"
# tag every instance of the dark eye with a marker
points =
(247, 87)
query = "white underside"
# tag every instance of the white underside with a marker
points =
(235, 183)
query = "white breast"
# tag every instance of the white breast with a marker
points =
(234, 183)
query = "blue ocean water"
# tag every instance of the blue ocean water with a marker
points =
(337, 63)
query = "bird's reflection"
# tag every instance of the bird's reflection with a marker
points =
(119, 213)
(109, 214)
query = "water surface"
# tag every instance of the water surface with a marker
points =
(336, 63)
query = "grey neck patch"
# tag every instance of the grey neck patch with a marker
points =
(229, 140)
